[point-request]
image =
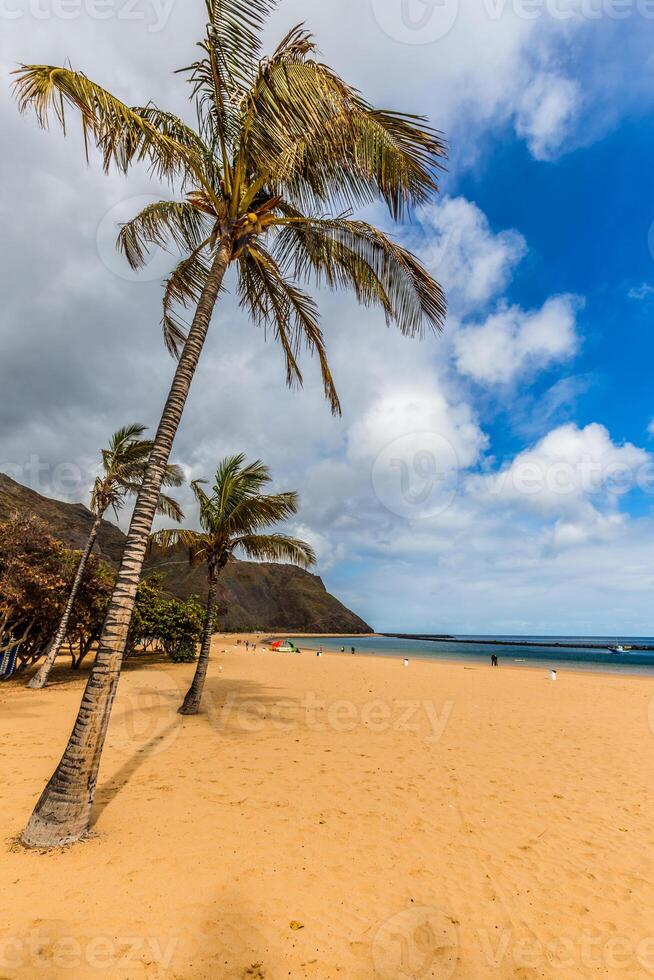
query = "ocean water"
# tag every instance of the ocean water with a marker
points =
(544, 654)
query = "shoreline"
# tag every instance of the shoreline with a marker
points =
(645, 672)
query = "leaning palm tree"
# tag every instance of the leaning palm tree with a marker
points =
(124, 463)
(284, 150)
(234, 518)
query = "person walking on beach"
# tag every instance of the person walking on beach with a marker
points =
(494, 660)
(353, 650)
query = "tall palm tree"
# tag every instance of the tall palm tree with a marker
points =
(235, 517)
(124, 463)
(283, 151)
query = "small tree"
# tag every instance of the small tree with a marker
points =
(124, 462)
(35, 574)
(237, 516)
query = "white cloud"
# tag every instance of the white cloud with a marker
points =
(327, 551)
(546, 114)
(589, 527)
(640, 292)
(566, 470)
(404, 412)
(513, 341)
(472, 263)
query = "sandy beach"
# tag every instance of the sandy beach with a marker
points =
(340, 817)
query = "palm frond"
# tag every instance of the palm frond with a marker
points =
(129, 477)
(182, 288)
(234, 482)
(276, 547)
(125, 435)
(276, 303)
(230, 52)
(161, 224)
(168, 507)
(207, 506)
(169, 539)
(99, 502)
(173, 476)
(342, 253)
(121, 134)
(290, 99)
(172, 126)
(261, 510)
(319, 142)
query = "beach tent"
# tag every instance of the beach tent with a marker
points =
(284, 646)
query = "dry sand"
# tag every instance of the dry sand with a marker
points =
(429, 821)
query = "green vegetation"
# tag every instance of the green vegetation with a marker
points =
(35, 575)
(36, 571)
(161, 622)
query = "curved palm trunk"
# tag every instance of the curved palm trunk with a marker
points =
(40, 679)
(62, 814)
(191, 704)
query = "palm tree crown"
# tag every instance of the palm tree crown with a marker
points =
(235, 517)
(124, 463)
(283, 151)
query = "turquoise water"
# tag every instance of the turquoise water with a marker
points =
(542, 655)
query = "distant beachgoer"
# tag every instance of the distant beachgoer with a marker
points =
(342, 649)
(494, 660)
(353, 650)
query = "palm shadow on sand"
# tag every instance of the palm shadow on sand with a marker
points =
(210, 715)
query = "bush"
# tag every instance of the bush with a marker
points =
(36, 573)
(159, 621)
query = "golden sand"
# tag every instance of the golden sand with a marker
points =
(340, 817)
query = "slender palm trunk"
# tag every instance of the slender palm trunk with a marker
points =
(41, 678)
(191, 704)
(62, 814)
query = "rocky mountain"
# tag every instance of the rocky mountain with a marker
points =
(254, 596)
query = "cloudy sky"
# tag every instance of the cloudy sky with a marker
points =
(498, 479)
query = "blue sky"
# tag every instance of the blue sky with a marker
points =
(587, 217)
(497, 479)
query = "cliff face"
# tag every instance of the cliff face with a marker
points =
(253, 596)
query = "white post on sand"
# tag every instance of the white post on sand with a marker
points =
(552, 675)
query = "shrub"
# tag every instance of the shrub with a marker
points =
(36, 572)
(174, 625)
